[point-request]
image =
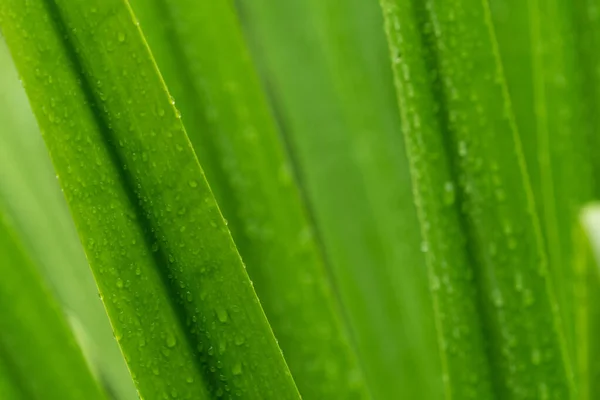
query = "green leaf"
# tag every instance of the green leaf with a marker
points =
(239, 147)
(181, 305)
(544, 78)
(587, 33)
(39, 358)
(327, 67)
(31, 197)
(587, 312)
(9, 388)
(457, 115)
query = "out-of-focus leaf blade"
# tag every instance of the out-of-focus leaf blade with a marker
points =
(455, 105)
(544, 77)
(587, 269)
(30, 196)
(236, 139)
(9, 388)
(586, 14)
(175, 289)
(326, 65)
(39, 356)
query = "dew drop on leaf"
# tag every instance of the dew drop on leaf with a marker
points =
(171, 340)
(222, 315)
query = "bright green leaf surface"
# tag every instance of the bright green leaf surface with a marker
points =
(327, 67)
(30, 195)
(236, 139)
(544, 79)
(448, 49)
(9, 388)
(588, 296)
(586, 15)
(464, 361)
(39, 358)
(181, 305)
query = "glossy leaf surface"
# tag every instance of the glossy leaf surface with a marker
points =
(544, 77)
(181, 305)
(31, 197)
(455, 106)
(326, 66)
(231, 128)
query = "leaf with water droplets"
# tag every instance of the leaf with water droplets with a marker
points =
(326, 66)
(116, 99)
(555, 121)
(236, 138)
(459, 127)
(30, 196)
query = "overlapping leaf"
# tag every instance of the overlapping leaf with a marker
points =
(326, 66)
(30, 196)
(181, 305)
(236, 139)
(39, 357)
(456, 111)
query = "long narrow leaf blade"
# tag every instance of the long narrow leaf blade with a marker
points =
(471, 124)
(454, 292)
(236, 139)
(31, 198)
(326, 65)
(9, 387)
(544, 79)
(38, 353)
(587, 312)
(181, 305)
(587, 33)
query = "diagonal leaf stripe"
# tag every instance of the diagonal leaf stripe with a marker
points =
(31, 199)
(171, 279)
(338, 112)
(235, 136)
(452, 93)
(39, 357)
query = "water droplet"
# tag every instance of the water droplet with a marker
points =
(449, 194)
(239, 340)
(193, 183)
(518, 282)
(462, 149)
(237, 368)
(171, 340)
(222, 314)
(497, 298)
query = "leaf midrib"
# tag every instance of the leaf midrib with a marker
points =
(127, 180)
